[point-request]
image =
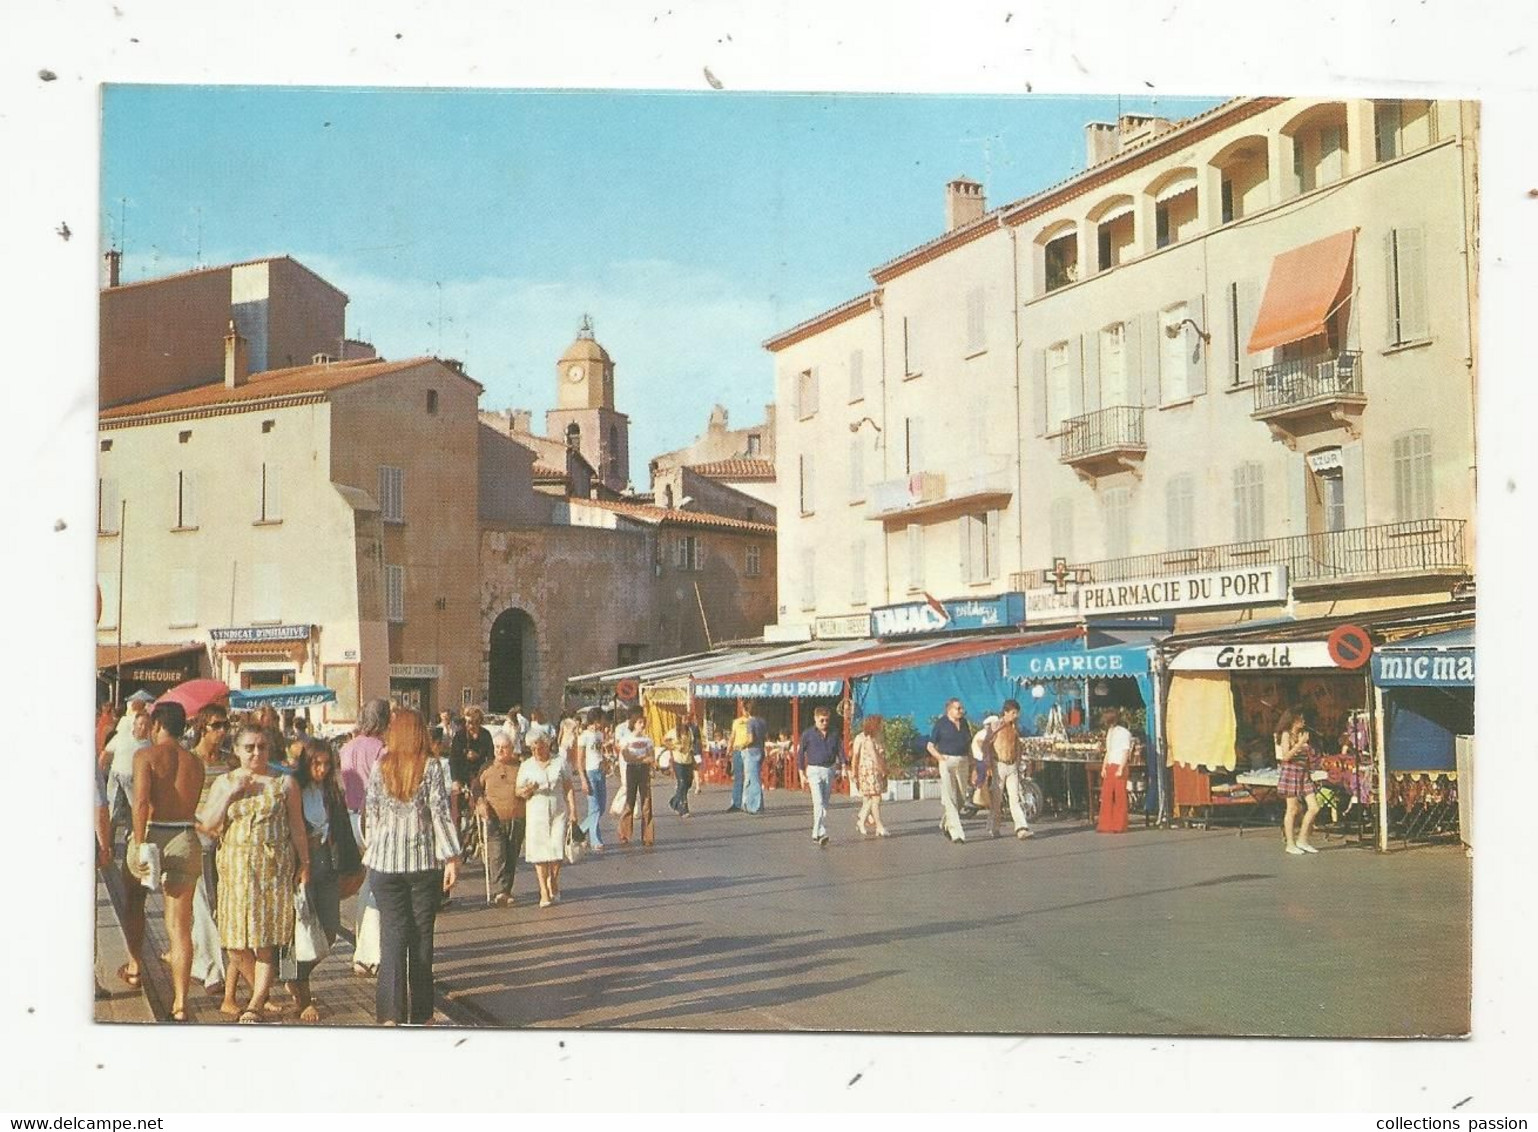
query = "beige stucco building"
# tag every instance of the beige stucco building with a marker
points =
(300, 526)
(1246, 338)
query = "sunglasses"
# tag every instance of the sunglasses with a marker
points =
(219, 725)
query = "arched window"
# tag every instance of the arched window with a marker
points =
(574, 436)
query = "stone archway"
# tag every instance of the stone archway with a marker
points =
(514, 661)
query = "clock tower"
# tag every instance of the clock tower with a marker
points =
(584, 415)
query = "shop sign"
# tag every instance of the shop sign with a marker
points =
(1245, 585)
(156, 675)
(1254, 656)
(262, 633)
(949, 616)
(1045, 605)
(1426, 669)
(767, 689)
(851, 626)
(416, 671)
(1052, 665)
(1325, 460)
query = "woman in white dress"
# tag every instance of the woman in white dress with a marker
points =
(546, 785)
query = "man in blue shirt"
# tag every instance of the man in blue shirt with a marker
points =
(950, 744)
(819, 755)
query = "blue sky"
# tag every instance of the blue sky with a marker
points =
(690, 226)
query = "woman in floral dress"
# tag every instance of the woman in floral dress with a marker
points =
(869, 757)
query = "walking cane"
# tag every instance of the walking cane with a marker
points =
(485, 856)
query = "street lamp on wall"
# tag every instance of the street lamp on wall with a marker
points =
(1173, 330)
(855, 426)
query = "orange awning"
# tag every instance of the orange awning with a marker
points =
(1302, 290)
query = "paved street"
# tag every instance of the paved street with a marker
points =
(736, 922)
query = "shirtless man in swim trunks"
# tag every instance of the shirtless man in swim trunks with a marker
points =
(167, 782)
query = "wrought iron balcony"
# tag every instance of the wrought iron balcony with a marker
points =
(1418, 548)
(974, 479)
(1106, 440)
(1322, 384)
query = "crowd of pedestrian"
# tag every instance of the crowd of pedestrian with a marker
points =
(255, 832)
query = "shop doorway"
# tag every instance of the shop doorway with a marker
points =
(514, 676)
(414, 694)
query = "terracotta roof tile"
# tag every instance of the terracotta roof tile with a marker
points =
(650, 513)
(295, 381)
(750, 468)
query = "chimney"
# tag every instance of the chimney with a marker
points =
(520, 420)
(236, 359)
(112, 268)
(1133, 129)
(964, 203)
(1099, 143)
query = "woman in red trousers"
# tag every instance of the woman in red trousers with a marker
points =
(1113, 774)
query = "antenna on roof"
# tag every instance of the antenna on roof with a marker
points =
(439, 285)
(199, 260)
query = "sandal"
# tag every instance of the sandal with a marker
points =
(133, 978)
(177, 1016)
(250, 1018)
(309, 1014)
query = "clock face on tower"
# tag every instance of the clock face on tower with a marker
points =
(576, 373)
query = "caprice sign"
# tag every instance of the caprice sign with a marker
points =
(1248, 585)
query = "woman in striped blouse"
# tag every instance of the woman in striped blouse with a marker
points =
(412, 858)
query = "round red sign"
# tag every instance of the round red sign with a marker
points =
(1349, 646)
(627, 689)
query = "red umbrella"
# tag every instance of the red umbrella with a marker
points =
(195, 695)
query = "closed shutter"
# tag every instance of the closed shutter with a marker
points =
(814, 394)
(1249, 309)
(187, 508)
(1196, 355)
(270, 506)
(395, 593)
(1090, 348)
(108, 506)
(1075, 377)
(964, 539)
(1392, 320)
(1131, 361)
(1148, 336)
(995, 564)
(1355, 484)
(1038, 391)
(107, 584)
(1411, 246)
(1299, 484)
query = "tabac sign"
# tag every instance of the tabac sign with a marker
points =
(1244, 585)
(934, 616)
(765, 689)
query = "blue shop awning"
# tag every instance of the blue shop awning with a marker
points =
(1436, 660)
(289, 696)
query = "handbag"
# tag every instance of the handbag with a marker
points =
(575, 849)
(310, 943)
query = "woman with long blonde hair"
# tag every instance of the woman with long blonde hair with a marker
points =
(869, 770)
(412, 858)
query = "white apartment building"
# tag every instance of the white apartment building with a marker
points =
(1243, 339)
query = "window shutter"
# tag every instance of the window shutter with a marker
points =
(1090, 346)
(813, 394)
(189, 500)
(109, 507)
(1391, 289)
(274, 492)
(964, 539)
(1249, 310)
(1355, 484)
(795, 396)
(1131, 361)
(1039, 390)
(1075, 376)
(808, 578)
(1299, 483)
(994, 563)
(857, 375)
(1411, 246)
(1149, 342)
(1196, 357)
(108, 585)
